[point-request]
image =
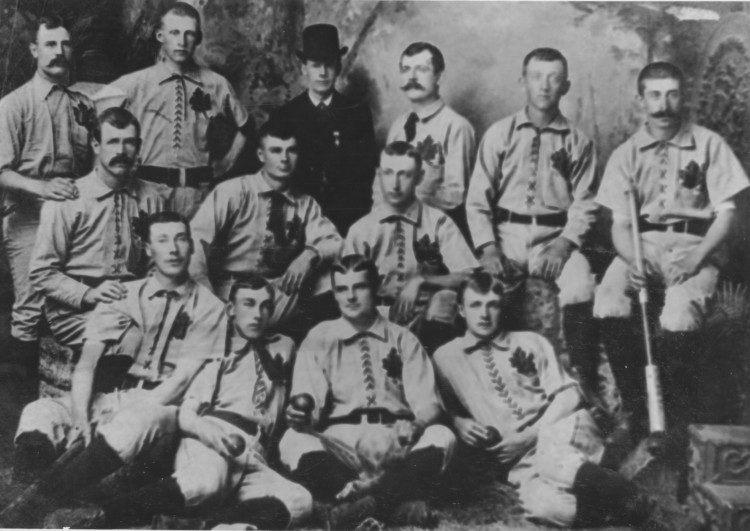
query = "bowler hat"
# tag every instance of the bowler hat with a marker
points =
(320, 41)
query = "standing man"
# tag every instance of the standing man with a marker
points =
(418, 250)
(511, 401)
(684, 179)
(44, 145)
(337, 155)
(225, 428)
(531, 202)
(368, 381)
(262, 224)
(444, 138)
(191, 118)
(87, 246)
(158, 334)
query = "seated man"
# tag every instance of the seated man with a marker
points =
(260, 223)
(87, 246)
(418, 249)
(370, 386)
(162, 330)
(509, 398)
(224, 425)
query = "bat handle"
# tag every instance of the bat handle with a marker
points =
(656, 420)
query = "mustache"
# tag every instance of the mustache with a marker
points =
(412, 84)
(121, 159)
(664, 114)
(59, 61)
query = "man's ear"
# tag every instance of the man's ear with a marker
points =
(159, 35)
(95, 146)
(229, 308)
(34, 50)
(461, 311)
(565, 87)
(261, 155)
(149, 252)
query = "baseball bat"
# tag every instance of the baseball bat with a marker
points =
(656, 420)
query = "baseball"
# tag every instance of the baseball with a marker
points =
(493, 436)
(303, 402)
(237, 444)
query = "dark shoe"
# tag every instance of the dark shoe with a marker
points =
(348, 515)
(34, 453)
(91, 517)
(414, 513)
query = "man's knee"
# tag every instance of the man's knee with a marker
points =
(681, 313)
(294, 445)
(547, 504)
(577, 283)
(46, 416)
(133, 428)
(610, 302)
(441, 438)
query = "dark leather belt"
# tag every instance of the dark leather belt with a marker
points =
(696, 227)
(193, 177)
(92, 282)
(547, 220)
(131, 382)
(236, 420)
(369, 416)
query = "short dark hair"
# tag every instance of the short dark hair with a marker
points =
(483, 282)
(547, 55)
(278, 129)
(182, 9)
(659, 70)
(250, 281)
(356, 263)
(438, 62)
(49, 22)
(165, 216)
(118, 118)
(399, 148)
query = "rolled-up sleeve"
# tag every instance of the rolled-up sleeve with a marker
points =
(584, 180)
(320, 234)
(309, 375)
(419, 380)
(460, 146)
(483, 188)
(11, 123)
(725, 176)
(204, 227)
(616, 182)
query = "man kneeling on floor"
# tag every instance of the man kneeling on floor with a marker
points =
(223, 428)
(526, 411)
(368, 429)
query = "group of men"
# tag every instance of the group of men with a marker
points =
(393, 272)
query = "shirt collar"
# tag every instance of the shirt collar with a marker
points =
(99, 190)
(43, 87)
(317, 101)
(684, 138)
(425, 114)
(413, 215)
(378, 330)
(153, 286)
(559, 124)
(166, 73)
(470, 343)
(264, 188)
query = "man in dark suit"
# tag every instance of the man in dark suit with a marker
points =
(337, 155)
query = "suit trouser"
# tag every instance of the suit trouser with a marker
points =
(19, 233)
(544, 477)
(684, 304)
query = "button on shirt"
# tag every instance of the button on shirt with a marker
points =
(393, 240)
(42, 133)
(93, 236)
(158, 327)
(442, 187)
(688, 177)
(233, 222)
(507, 382)
(174, 111)
(533, 171)
(232, 384)
(383, 367)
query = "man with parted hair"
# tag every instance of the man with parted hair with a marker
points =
(146, 345)
(685, 179)
(44, 146)
(369, 384)
(420, 253)
(513, 404)
(194, 126)
(335, 135)
(531, 205)
(86, 247)
(264, 224)
(444, 138)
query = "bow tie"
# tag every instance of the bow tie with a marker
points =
(482, 344)
(166, 293)
(410, 127)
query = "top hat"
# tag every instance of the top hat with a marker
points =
(320, 41)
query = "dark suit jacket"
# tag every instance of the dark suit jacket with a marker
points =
(337, 156)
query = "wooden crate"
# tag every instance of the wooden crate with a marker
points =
(719, 454)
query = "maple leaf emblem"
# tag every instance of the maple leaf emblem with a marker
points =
(693, 177)
(431, 151)
(139, 225)
(84, 115)
(561, 162)
(180, 325)
(200, 101)
(393, 365)
(428, 254)
(523, 362)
